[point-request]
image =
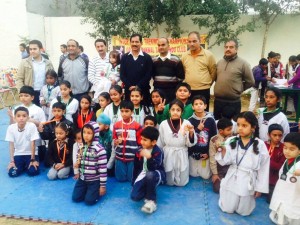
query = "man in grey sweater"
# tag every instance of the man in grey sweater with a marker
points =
(74, 69)
(234, 75)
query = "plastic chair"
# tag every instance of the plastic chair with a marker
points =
(8, 91)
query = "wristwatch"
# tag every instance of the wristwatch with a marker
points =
(32, 160)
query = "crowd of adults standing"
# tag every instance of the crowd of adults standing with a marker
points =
(197, 67)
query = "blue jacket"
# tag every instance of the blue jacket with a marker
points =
(203, 136)
(155, 163)
(136, 72)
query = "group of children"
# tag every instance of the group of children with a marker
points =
(148, 146)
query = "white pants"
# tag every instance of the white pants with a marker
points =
(279, 218)
(230, 202)
(253, 99)
(60, 174)
(199, 168)
(181, 180)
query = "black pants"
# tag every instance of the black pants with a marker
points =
(226, 109)
(205, 93)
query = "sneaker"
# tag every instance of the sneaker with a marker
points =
(149, 207)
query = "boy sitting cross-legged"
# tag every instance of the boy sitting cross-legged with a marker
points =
(148, 170)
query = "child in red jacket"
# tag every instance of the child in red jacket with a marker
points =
(275, 147)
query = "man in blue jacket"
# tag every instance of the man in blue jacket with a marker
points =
(136, 69)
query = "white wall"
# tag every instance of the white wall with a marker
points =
(13, 23)
(54, 31)
(59, 30)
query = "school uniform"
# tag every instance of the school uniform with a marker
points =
(198, 166)
(265, 119)
(285, 203)
(248, 173)
(175, 147)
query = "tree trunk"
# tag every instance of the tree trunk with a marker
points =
(157, 31)
(263, 49)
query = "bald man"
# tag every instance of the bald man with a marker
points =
(167, 70)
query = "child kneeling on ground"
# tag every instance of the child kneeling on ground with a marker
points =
(91, 162)
(148, 170)
(22, 136)
(285, 203)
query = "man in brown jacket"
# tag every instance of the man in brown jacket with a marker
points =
(234, 75)
(32, 70)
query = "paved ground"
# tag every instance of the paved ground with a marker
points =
(39, 200)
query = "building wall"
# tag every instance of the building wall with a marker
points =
(13, 23)
(53, 31)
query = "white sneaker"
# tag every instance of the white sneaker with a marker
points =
(149, 207)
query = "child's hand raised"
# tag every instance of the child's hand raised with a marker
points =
(161, 105)
(118, 141)
(201, 125)
(189, 128)
(145, 153)
(102, 190)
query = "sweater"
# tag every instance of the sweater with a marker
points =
(200, 71)
(167, 73)
(92, 158)
(155, 163)
(296, 79)
(276, 161)
(187, 113)
(233, 77)
(56, 156)
(131, 134)
(79, 121)
(105, 139)
(75, 71)
(136, 72)
(97, 69)
(203, 136)
(259, 75)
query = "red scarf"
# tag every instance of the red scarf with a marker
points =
(84, 118)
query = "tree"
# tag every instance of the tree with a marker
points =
(123, 17)
(269, 10)
(221, 21)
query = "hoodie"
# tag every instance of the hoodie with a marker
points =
(203, 136)
(93, 158)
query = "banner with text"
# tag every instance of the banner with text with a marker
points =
(177, 45)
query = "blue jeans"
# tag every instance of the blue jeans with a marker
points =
(22, 164)
(87, 191)
(146, 187)
(124, 170)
